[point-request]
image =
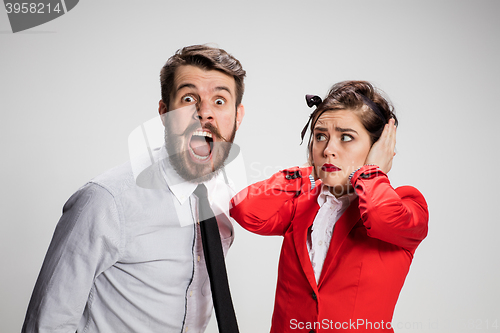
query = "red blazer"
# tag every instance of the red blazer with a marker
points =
(369, 256)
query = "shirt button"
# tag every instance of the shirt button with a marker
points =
(199, 258)
(320, 243)
(190, 293)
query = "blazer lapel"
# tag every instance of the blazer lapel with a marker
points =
(342, 228)
(302, 221)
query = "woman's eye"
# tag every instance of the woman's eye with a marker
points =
(188, 99)
(346, 138)
(320, 137)
(220, 101)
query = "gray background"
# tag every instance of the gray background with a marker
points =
(73, 89)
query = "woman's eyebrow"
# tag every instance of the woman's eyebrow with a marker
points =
(342, 130)
(321, 129)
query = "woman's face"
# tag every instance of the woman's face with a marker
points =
(340, 145)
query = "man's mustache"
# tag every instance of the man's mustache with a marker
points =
(209, 126)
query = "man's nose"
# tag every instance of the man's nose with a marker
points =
(204, 112)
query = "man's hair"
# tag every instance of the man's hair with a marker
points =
(206, 58)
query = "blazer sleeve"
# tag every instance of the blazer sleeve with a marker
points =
(397, 216)
(267, 207)
(85, 243)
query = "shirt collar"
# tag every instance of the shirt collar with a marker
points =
(343, 201)
(181, 188)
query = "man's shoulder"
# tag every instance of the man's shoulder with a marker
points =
(134, 176)
(115, 180)
(102, 191)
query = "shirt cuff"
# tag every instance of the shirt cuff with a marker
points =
(313, 182)
(298, 180)
(365, 172)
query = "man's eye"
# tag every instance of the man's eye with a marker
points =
(220, 101)
(320, 137)
(188, 99)
(346, 138)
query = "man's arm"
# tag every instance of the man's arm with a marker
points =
(85, 243)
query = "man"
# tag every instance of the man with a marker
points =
(127, 254)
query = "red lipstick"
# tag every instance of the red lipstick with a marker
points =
(329, 168)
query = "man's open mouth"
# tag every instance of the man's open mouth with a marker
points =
(200, 145)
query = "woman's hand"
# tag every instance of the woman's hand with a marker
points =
(313, 172)
(382, 151)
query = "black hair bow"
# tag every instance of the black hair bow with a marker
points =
(311, 100)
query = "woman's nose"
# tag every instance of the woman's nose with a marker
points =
(331, 148)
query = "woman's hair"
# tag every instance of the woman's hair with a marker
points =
(360, 97)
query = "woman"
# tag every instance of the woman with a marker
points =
(349, 237)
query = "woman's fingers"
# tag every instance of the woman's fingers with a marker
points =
(382, 151)
(392, 134)
(389, 135)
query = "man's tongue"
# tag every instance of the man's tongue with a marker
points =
(200, 146)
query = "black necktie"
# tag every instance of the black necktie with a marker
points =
(216, 267)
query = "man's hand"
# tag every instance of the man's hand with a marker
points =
(382, 151)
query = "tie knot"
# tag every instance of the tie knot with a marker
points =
(201, 191)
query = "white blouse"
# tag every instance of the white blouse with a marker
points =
(320, 233)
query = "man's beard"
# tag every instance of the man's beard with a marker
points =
(178, 146)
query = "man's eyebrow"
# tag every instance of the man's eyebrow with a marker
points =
(192, 86)
(340, 129)
(218, 88)
(186, 85)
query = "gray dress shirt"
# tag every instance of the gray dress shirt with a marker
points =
(128, 258)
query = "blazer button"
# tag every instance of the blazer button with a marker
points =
(314, 296)
(311, 331)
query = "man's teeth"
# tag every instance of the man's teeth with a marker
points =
(202, 133)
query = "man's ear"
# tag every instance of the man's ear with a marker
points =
(240, 113)
(162, 109)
